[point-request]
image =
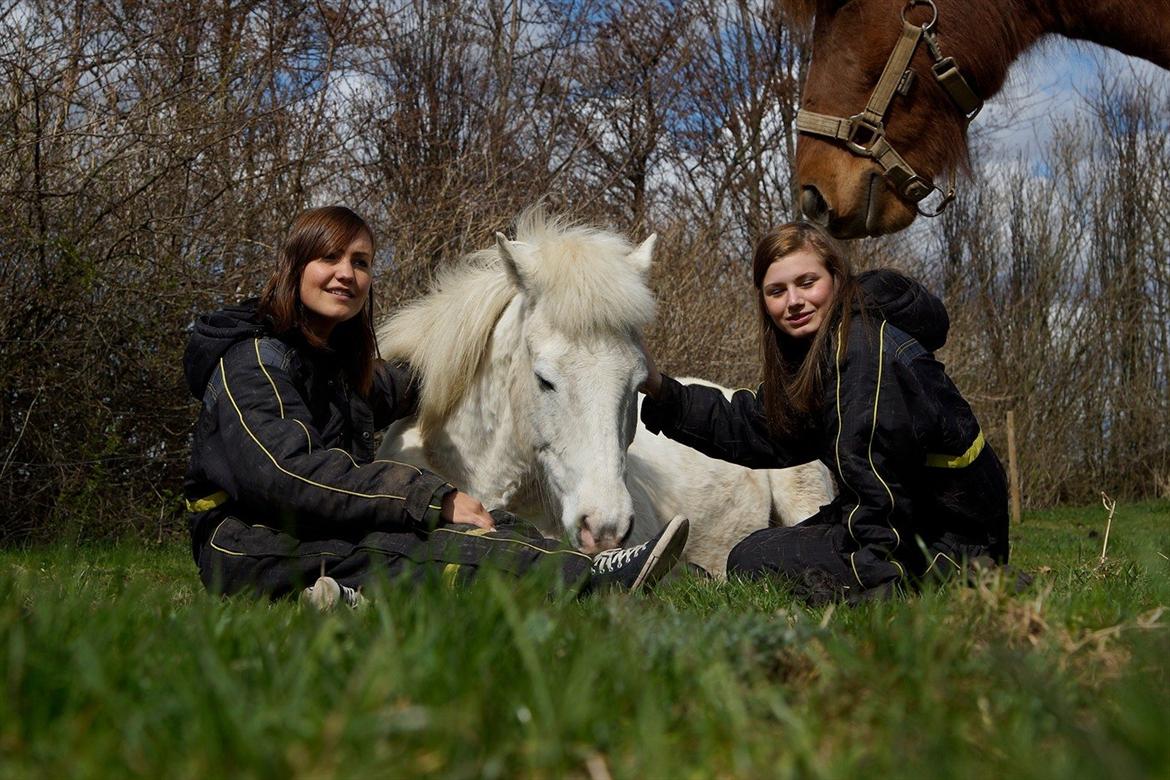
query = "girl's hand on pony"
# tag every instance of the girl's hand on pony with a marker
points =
(458, 507)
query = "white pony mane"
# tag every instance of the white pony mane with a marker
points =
(581, 277)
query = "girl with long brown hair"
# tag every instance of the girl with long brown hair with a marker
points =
(849, 378)
(284, 488)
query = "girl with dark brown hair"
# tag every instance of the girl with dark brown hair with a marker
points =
(850, 378)
(284, 488)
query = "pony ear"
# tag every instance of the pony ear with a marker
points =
(643, 254)
(516, 259)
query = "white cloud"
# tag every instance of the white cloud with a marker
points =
(1049, 86)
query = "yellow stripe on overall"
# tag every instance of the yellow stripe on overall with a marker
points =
(207, 502)
(958, 461)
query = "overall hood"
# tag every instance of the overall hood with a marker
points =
(212, 336)
(906, 305)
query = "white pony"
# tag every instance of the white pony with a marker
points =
(529, 364)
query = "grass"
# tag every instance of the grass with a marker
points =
(116, 664)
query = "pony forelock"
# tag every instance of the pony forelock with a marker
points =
(583, 280)
(580, 278)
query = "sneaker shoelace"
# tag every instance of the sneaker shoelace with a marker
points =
(610, 560)
(351, 596)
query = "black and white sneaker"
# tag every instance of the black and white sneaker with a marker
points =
(326, 592)
(632, 568)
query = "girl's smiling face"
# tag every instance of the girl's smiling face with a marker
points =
(334, 288)
(798, 290)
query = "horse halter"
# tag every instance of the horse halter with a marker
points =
(864, 134)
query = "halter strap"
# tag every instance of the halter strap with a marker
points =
(864, 134)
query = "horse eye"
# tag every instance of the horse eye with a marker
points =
(545, 385)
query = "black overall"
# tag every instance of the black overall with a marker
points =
(284, 485)
(920, 490)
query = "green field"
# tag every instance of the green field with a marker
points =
(116, 664)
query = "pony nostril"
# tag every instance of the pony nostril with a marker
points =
(585, 540)
(813, 204)
(593, 540)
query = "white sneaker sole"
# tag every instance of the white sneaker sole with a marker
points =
(326, 593)
(322, 595)
(664, 555)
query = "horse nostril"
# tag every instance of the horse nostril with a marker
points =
(813, 204)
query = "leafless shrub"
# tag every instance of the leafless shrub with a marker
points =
(152, 154)
(1056, 284)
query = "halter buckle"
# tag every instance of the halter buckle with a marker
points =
(917, 189)
(863, 134)
(908, 184)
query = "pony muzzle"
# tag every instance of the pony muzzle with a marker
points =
(595, 534)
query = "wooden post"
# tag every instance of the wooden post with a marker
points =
(1013, 467)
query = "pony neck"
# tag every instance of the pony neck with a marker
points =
(1138, 28)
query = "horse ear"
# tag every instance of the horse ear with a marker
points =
(514, 256)
(644, 253)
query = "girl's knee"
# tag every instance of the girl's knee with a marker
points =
(753, 555)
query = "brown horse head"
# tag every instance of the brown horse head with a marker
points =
(851, 43)
(852, 40)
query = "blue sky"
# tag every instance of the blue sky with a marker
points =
(1050, 84)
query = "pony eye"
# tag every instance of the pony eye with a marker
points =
(545, 385)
